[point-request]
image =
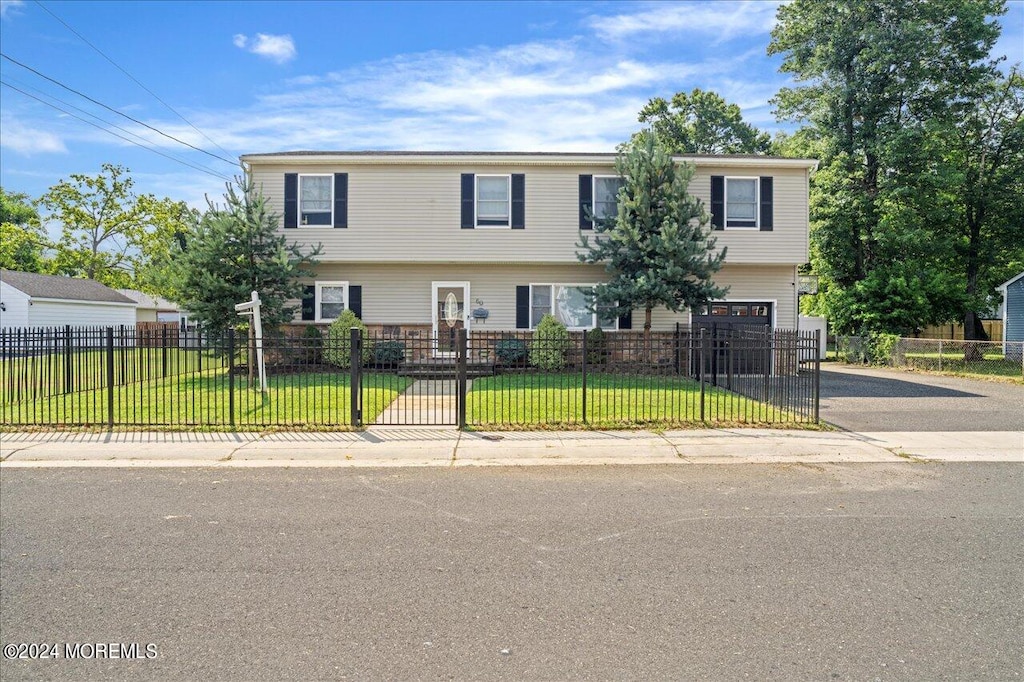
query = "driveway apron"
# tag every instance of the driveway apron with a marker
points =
(871, 399)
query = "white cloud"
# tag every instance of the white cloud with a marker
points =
(541, 96)
(724, 20)
(280, 49)
(10, 7)
(26, 140)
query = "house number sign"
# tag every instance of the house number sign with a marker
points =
(451, 309)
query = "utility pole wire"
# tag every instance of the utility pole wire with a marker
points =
(101, 120)
(133, 78)
(112, 109)
(111, 132)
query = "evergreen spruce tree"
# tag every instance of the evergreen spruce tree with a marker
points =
(237, 249)
(657, 251)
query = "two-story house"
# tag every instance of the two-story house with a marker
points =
(408, 237)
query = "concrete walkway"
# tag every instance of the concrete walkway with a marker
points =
(424, 402)
(425, 446)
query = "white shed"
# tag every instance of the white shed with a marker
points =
(31, 300)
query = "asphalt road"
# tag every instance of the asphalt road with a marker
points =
(884, 572)
(872, 399)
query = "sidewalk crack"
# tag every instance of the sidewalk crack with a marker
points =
(675, 447)
(17, 450)
(455, 450)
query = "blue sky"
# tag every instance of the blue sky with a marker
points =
(264, 76)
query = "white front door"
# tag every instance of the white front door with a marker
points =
(450, 314)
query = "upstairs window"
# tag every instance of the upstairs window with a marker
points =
(606, 191)
(493, 200)
(741, 202)
(315, 199)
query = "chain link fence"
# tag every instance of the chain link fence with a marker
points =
(985, 358)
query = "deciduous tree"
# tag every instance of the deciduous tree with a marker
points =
(22, 238)
(878, 82)
(702, 122)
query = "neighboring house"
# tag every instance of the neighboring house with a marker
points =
(408, 235)
(31, 300)
(153, 308)
(1013, 315)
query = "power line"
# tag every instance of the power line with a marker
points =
(133, 78)
(111, 132)
(111, 109)
(101, 120)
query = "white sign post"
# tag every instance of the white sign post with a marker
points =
(252, 309)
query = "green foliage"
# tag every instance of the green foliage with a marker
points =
(510, 351)
(22, 238)
(658, 251)
(338, 345)
(597, 346)
(237, 249)
(388, 352)
(916, 209)
(881, 348)
(110, 234)
(550, 344)
(702, 123)
(312, 344)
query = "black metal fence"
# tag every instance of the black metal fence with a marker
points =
(116, 377)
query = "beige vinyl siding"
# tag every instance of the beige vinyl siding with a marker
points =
(775, 284)
(401, 293)
(399, 213)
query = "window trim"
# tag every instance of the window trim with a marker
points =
(726, 223)
(318, 299)
(298, 199)
(476, 201)
(572, 285)
(593, 193)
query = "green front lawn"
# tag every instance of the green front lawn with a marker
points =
(83, 370)
(535, 399)
(294, 400)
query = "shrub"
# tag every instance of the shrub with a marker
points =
(549, 345)
(510, 351)
(597, 346)
(312, 344)
(881, 348)
(337, 350)
(388, 352)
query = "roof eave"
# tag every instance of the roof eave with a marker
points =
(514, 158)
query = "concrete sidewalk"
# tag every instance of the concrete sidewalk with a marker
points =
(425, 446)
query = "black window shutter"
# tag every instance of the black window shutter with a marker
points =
(341, 199)
(291, 199)
(586, 201)
(767, 207)
(717, 202)
(523, 307)
(468, 201)
(355, 300)
(309, 302)
(626, 321)
(518, 201)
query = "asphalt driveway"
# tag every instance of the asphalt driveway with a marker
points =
(872, 399)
